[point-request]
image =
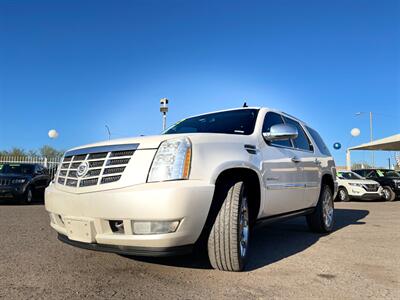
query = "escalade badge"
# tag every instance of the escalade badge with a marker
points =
(82, 169)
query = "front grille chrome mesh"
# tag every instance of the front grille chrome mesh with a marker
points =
(102, 167)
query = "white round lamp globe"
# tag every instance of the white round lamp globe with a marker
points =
(355, 132)
(53, 134)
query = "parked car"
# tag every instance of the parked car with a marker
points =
(353, 186)
(22, 181)
(207, 178)
(388, 179)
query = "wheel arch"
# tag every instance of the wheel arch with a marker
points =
(327, 179)
(250, 176)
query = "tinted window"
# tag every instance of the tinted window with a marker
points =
(240, 121)
(302, 141)
(270, 120)
(319, 141)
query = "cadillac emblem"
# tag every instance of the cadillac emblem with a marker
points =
(83, 168)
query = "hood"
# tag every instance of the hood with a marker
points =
(154, 141)
(15, 176)
(360, 181)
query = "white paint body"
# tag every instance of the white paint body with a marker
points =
(363, 189)
(286, 186)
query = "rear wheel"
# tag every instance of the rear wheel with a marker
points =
(228, 241)
(388, 193)
(343, 195)
(322, 219)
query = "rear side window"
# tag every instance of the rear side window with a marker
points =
(319, 141)
(302, 141)
(270, 120)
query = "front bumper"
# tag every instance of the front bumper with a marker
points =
(360, 193)
(11, 191)
(129, 250)
(188, 201)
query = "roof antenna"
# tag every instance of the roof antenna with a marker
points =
(245, 104)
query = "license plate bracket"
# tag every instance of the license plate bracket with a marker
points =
(80, 230)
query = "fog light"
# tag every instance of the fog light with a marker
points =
(154, 227)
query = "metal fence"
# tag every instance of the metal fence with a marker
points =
(50, 163)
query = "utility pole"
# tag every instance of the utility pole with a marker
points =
(371, 137)
(164, 110)
(108, 131)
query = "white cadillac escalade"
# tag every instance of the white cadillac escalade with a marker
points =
(210, 178)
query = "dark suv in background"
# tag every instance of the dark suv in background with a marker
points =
(388, 179)
(23, 181)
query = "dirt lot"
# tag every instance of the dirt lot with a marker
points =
(361, 259)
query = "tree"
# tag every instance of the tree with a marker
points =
(14, 152)
(45, 151)
(50, 152)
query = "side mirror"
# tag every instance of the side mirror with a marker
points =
(281, 132)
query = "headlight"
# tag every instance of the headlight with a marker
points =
(17, 181)
(356, 184)
(172, 160)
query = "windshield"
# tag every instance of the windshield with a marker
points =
(23, 169)
(240, 121)
(349, 175)
(387, 173)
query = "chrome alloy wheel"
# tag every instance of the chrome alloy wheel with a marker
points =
(29, 196)
(342, 195)
(386, 194)
(327, 209)
(244, 227)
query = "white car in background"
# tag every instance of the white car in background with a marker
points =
(353, 186)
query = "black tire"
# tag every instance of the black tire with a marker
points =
(224, 241)
(343, 195)
(388, 194)
(318, 219)
(28, 197)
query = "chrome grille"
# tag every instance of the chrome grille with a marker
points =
(106, 165)
(4, 181)
(371, 187)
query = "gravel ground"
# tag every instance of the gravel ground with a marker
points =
(360, 260)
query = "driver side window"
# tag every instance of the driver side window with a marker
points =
(270, 120)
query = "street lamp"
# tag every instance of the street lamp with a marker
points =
(164, 110)
(370, 132)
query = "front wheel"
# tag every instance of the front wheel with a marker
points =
(388, 193)
(28, 197)
(228, 241)
(322, 219)
(343, 195)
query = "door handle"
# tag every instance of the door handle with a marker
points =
(295, 159)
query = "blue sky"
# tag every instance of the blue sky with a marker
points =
(78, 65)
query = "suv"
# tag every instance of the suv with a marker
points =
(22, 181)
(388, 179)
(353, 186)
(208, 178)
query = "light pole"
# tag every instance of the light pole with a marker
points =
(164, 110)
(370, 133)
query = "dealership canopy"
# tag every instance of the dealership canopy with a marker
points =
(391, 143)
